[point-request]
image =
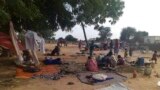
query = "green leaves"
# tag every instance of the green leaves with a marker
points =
(104, 33)
(25, 10)
(4, 17)
(70, 38)
(51, 15)
(93, 12)
(127, 34)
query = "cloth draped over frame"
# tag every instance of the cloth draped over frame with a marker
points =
(34, 42)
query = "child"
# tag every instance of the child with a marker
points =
(91, 64)
(56, 51)
(126, 53)
(154, 57)
(120, 60)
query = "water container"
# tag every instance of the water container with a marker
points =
(148, 71)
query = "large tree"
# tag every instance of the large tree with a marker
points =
(43, 15)
(139, 36)
(70, 38)
(105, 33)
(95, 12)
(128, 34)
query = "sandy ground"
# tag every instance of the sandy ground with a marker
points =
(139, 83)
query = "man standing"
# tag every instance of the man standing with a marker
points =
(91, 48)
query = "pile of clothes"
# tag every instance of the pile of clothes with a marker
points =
(50, 60)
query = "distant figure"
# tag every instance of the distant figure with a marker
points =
(91, 48)
(56, 51)
(110, 59)
(125, 53)
(80, 44)
(110, 53)
(120, 60)
(111, 44)
(116, 47)
(130, 51)
(91, 64)
(61, 42)
(105, 46)
(154, 57)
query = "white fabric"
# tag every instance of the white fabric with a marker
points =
(99, 76)
(34, 42)
(42, 46)
(118, 86)
(158, 83)
(15, 44)
(31, 40)
(35, 58)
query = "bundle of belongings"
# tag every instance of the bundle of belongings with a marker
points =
(31, 69)
(50, 60)
(138, 62)
(99, 78)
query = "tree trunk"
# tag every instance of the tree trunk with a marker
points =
(84, 34)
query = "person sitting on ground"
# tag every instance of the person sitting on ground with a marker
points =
(91, 64)
(110, 53)
(56, 51)
(110, 59)
(27, 58)
(154, 57)
(120, 60)
(113, 61)
(28, 64)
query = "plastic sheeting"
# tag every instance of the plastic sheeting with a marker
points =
(117, 86)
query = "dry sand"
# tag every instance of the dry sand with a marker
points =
(139, 83)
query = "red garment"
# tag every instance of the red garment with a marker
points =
(6, 42)
(117, 43)
(92, 65)
(120, 61)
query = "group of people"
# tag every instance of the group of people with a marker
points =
(108, 61)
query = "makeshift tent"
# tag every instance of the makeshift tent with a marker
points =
(6, 42)
(34, 42)
(11, 42)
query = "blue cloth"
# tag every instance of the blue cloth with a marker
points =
(109, 78)
(52, 61)
(140, 62)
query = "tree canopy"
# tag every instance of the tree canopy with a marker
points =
(127, 34)
(104, 33)
(139, 36)
(70, 38)
(52, 15)
(131, 34)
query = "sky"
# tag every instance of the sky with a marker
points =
(144, 15)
